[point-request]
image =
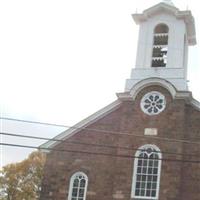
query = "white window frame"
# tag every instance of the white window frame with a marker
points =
(72, 181)
(135, 172)
(146, 96)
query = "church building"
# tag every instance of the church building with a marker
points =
(146, 144)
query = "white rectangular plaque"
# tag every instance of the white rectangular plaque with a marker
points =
(150, 131)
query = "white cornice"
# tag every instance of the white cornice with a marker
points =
(186, 95)
(124, 96)
(195, 103)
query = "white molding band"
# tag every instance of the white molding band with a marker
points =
(186, 95)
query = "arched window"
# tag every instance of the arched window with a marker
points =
(78, 186)
(160, 46)
(146, 175)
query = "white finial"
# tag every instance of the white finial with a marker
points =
(168, 2)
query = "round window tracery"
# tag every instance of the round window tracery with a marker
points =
(153, 103)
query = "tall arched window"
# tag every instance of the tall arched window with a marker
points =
(160, 46)
(78, 186)
(146, 175)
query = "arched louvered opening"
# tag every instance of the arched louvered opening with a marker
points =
(160, 46)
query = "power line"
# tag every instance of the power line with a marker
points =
(91, 144)
(97, 153)
(34, 122)
(105, 131)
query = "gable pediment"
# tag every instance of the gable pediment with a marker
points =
(155, 10)
(160, 8)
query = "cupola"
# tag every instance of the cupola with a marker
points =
(162, 52)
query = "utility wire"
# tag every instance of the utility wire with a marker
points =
(92, 144)
(106, 131)
(34, 122)
(98, 153)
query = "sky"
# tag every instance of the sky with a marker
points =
(63, 60)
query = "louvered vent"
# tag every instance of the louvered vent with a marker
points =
(160, 46)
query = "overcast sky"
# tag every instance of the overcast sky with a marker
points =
(62, 60)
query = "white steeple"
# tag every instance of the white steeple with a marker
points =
(164, 36)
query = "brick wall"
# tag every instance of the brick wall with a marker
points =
(110, 177)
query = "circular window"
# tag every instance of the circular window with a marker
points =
(153, 103)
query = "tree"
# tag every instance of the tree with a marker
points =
(22, 181)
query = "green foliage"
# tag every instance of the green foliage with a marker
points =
(22, 181)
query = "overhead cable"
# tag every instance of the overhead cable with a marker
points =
(108, 131)
(91, 144)
(97, 153)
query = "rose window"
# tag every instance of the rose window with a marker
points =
(153, 103)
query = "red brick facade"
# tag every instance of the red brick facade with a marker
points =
(110, 177)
